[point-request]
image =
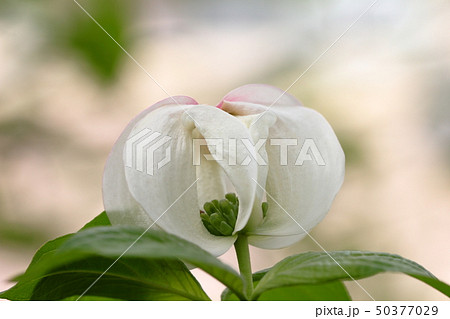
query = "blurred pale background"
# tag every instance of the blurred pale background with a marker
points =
(67, 91)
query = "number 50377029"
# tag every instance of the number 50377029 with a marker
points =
(407, 310)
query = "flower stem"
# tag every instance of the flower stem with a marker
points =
(245, 267)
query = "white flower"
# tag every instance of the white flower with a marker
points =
(255, 154)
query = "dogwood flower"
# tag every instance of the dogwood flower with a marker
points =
(243, 166)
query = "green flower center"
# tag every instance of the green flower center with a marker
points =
(219, 216)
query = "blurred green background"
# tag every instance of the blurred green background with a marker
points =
(67, 90)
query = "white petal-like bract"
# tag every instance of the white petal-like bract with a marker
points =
(306, 165)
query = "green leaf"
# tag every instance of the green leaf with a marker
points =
(50, 246)
(128, 279)
(47, 249)
(167, 281)
(147, 268)
(101, 220)
(318, 268)
(90, 298)
(112, 242)
(330, 291)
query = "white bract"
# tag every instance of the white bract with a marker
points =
(246, 164)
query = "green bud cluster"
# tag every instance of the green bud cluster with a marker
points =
(219, 216)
